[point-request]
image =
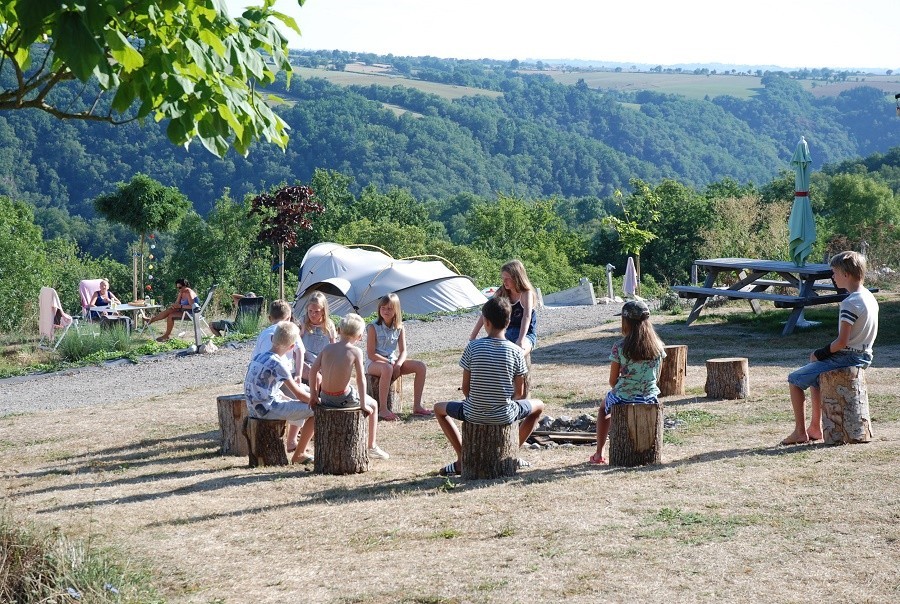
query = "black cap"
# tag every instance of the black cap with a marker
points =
(635, 309)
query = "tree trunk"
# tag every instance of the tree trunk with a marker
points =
(845, 406)
(341, 441)
(635, 435)
(672, 371)
(727, 378)
(281, 271)
(232, 411)
(489, 450)
(265, 438)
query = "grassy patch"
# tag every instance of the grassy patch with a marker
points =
(42, 565)
(693, 528)
(883, 407)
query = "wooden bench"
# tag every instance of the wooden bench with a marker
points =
(695, 291)
(635, 435)
(728, 378)
(265, 439)
(232, 410)
(340, 441)
(845, 406)
(489, 450)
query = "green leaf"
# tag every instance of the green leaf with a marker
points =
(213, 41)
(122, 50)
(77, 47)
(287, 20)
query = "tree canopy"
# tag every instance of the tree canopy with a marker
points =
(188, 62)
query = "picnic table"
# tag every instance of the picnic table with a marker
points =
(812, 284)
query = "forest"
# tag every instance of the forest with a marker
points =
(537, 172)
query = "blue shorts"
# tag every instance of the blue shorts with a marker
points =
(614, 399)
(808, 375)
(455, 410)
(513, 336)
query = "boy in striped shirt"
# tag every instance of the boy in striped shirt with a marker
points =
(493, 383)
(857, 328)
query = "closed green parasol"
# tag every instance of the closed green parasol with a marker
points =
(801, 225)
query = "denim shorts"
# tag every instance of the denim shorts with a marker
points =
(808, 375)
(455, 410)
(290, 410)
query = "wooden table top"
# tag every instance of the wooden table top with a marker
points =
(820, 271)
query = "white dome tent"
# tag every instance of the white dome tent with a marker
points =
(354, 279)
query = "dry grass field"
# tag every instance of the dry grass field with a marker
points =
(729, 516)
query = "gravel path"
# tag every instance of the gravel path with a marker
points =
(157, 375)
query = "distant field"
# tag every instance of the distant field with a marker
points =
(699, 86)
(360, 75)
(685, 84)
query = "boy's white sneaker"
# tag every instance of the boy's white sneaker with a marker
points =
(378, 452)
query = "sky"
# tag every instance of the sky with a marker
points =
(838, 34)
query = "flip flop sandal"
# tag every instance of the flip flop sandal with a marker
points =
(598, 460)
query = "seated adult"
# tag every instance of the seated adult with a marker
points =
(218, 327)
(103, 297)
(184, 302)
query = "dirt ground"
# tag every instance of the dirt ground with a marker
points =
(729, 515)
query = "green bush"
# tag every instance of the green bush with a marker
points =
(39, 565)
(93, 343)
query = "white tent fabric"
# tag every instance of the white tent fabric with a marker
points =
(354, 280)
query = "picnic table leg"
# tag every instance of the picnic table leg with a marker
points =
(701, 300)
(807, 289)
(754, 304)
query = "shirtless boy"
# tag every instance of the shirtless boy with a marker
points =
(336, 364)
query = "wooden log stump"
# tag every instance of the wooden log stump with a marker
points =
(265, 439)
(394, 392)
(635, 435)
(527, 375)
(232, 411)
(728, 378)
(845, 406)
(341, 441)
(489, 450)
(672, 371)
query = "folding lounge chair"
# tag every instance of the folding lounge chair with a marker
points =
(86, 289)
(52, 318)
(197, 312)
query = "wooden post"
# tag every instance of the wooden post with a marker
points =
(341, 441)
(635, 435)
(489, 450)
(845, 406)
(232, 411)
(394, 392)
(672, 371)
(728, 378)
(265, 438)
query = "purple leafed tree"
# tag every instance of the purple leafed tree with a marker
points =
(284, 212)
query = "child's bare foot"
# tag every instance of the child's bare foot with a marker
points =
(796, 438)
(420, 410)
(814, 434)
(388, 417)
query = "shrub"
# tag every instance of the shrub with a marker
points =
(39, 565)
(91, 341)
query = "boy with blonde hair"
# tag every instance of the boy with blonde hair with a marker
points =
(336, 363)
(267, 374)
(857, 328)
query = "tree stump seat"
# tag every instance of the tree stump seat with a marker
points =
(672, 371)
(489, 450)
(394, 402)
(845, 406)
(340, 440)
(265, 440)
(635, 435)
(728, 378)
(232, 409)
